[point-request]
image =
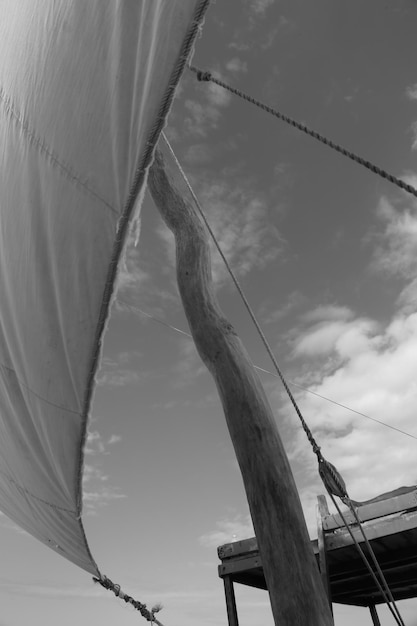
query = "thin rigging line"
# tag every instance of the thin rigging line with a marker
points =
(208, 77)
(261, 369)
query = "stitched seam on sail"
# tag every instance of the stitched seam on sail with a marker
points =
(43, 149)
(58, 406)
(53, 506)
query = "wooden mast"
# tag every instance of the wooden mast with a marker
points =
(296, 591)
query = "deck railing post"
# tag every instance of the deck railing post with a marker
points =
(229, 593)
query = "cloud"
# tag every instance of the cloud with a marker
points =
(131, 274)
(395, 254)
(118, 372)
(97, 491)
(198, 154)
(102, 496)
(366, 364)
(270, 313)
(203, 112)
(411, 92)
(94, 443)
(200, 118)
(239, 218)
(413, 130)
(228, 530)
(373, 371)
(259, 7)
(236, 65)
(331, 328)
(114, 439)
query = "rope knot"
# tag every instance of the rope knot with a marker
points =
(316, 449)
(203, 76)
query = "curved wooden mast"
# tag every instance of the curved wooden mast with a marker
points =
(296, 591)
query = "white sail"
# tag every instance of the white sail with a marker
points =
(85, 86)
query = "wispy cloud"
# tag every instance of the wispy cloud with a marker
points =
(259, 7)
(114, 439)
(411, 92)
(97, 492)
(119, 372)
(368, 365)
(372, 370)
(236, 65)
(203, 113)
(413, 130)
(101, 497)
(396, 251)
(238, 217)
(228, 530)
(270, 313)
(131, 273)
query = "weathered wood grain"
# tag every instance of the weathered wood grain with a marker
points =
(297, 594)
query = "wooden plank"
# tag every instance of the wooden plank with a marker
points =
(231, 550)
(373, 530)
(239, 565)
(374, 510)
(323, 511)
(229, 593)
(293, 580)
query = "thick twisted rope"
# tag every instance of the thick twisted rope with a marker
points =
(111, 586)
(208, 77)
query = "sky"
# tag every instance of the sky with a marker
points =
(326, 254)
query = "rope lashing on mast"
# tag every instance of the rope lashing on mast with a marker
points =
(205, 76)
(330, 476)
(111, 586)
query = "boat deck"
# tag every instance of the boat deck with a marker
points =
(390, 526)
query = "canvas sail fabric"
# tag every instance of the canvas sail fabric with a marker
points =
(81, 89)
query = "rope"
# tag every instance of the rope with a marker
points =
(111, 586)
(395, 612)
(208, 77)
(375, 560)
(335, 486)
